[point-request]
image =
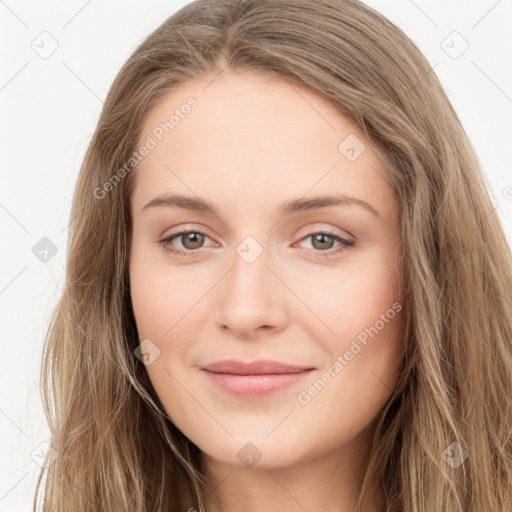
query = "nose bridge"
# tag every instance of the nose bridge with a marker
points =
(250, 275)
(248, 296)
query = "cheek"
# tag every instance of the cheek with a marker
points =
(161, 294)
(362, 307)
(161, 299)
(351, 298)
(358, 377)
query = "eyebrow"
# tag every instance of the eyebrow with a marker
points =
(196, 204)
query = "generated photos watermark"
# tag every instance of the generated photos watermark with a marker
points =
(305, 397)
(150, 143)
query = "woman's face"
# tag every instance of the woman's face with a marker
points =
(292, 256)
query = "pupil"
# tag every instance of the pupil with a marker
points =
(321, 236)
(190, 238)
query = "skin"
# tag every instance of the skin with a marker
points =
(253, 142)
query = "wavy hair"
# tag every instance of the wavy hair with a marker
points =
(117, 449)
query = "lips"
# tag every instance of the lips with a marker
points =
(256, 379)
(263, 367)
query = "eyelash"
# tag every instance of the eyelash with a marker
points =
(345, 244)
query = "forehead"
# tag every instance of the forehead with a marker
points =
(260, 110)
(255, 134)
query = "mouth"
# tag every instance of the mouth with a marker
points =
(256, 379)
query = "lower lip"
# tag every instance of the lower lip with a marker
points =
(255, 385)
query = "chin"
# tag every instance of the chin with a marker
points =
(248, 451)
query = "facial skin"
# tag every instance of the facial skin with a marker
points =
(252, 143)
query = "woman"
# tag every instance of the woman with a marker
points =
(209, 352)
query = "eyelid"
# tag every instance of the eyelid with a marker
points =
(319, 227)
(179, 228)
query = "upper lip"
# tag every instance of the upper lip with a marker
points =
(261, 367)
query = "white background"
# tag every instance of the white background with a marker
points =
(49, 111)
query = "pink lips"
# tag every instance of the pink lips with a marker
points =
(255, 379)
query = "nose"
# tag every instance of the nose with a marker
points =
(251, 299)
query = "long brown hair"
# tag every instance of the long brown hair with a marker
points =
(117, 450)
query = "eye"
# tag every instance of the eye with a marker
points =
(193, 240)
(320, 240)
